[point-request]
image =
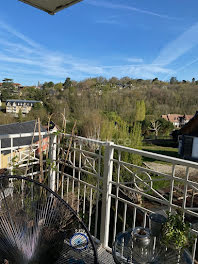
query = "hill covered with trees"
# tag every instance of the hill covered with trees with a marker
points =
(123, 110)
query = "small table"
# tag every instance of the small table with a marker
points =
(124, 253)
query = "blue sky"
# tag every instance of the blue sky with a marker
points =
(135, 38)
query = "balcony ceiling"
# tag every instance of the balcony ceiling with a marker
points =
(51, 6)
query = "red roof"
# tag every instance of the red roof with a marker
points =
(188, 117)
(175, 117)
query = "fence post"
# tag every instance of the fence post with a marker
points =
(106, 198)
(52, 157)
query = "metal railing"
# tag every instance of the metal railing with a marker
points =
(114, 188)
(14, 153)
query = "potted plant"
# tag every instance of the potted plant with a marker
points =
(175, 232)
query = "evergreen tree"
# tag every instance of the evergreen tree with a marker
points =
(140, 111)
(136, 136)
(173, 80)
(67, 84)
(136, 143)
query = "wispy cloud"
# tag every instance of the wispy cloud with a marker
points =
(108, 21)
(148, 71)
(135, 60)
(111, 20)
(110, 5)
(178, 47)
(17, 34)
(28, 61)
(25, 53)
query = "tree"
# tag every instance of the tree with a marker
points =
(155, 127)
(166, 127)
(35, 113)
(101, 80)
(20, 116)
(140, 110)
(7, 89)
(136, 136)
(193, 80)
(91, 127)
(38, 106)
(48, 85)
(67, 84)
(5, 94)
(87, 84)
(145, 126)
(8, 84)
(113, 80)
(173, 80)
(125, 80)
(155, 80)
(58, 87)
(6, 118)
(7, 80)
(136, 142)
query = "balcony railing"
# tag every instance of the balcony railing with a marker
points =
(113, 187)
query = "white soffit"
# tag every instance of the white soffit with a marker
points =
(51, 6)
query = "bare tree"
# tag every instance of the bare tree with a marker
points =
(155, 127)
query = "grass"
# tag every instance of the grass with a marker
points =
(168, 151)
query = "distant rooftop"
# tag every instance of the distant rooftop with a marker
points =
(175, 117)
(22, 101)
(19, 128)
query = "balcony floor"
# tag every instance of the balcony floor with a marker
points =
(104, 257)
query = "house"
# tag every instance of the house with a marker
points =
(14, 106)
(177, 120)
(20, 144)
(16, 85)
(188, 139)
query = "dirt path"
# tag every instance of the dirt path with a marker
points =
(167, 169)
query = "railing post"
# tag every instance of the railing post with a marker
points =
(52, 157)
(106, 198)
(11, 157)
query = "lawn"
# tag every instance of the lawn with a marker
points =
(168, 151)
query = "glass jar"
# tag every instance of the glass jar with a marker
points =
(142, 245)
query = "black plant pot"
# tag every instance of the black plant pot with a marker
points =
(157, 221)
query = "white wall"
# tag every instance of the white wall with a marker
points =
(195, 148)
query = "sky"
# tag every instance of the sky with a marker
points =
(135, 38)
